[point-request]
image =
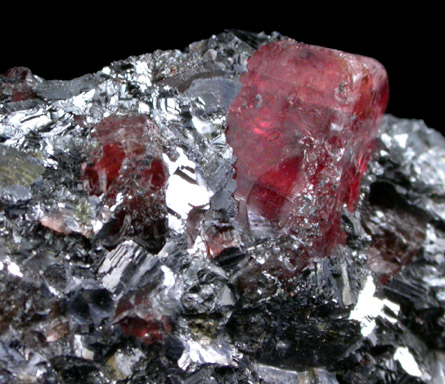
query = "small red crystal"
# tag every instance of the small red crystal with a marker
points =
(220, 237)
(397, 231)
(129, 172)
(302, 129)
(136, 318)
(149, 331)
(21, 83)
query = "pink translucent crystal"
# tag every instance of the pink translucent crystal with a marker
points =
(303, 128)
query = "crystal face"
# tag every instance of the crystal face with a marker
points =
(205, 216)
(302, 129)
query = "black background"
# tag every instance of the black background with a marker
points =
(65, 43)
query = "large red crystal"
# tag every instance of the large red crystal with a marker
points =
(302, 129)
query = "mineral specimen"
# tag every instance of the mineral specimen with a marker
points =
(207, 216)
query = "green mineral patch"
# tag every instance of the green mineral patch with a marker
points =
(17, 168)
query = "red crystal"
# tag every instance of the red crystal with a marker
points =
(302, 129)
(21, 83)
(220, 237)
(149, 331)
(128, 170)
(137, 319)
(397, 231)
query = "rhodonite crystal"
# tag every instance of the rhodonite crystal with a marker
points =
(239, 212)
(302, 128)
(128, 171)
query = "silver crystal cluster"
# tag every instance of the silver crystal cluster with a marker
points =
(96, 288)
